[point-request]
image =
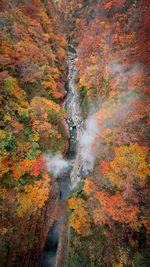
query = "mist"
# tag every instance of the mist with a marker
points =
(121, 110)
(88, 135)
(56, 164)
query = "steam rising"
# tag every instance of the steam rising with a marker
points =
(121, 109)
(56, 164)
(88, 136)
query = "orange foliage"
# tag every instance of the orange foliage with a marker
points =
(105, 166)
(129, 165)
(108, 5)
(89, 187)
(38, 166)
(19, 168)
(34, 196)
(115, 207)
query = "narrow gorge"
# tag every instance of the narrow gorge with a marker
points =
(74, 133)
(71, 176)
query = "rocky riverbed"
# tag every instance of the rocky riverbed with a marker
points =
(51, 255)
(75, 119)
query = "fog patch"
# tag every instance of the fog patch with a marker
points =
(122, 73)
(56, 164)
(88, 135)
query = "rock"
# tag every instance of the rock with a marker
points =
(63, 124)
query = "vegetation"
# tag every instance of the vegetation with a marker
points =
(33, 71)
(110, 215)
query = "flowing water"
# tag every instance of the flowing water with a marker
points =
(68, 180)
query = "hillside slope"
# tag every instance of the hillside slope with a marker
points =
(33, 73)
(110, 211)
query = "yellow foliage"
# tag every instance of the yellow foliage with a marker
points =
(72, 202)
(2, 134)
(79, 219)
(55, 72)
(88, 93)
(34, 196)
(7, 117)
(112, 94)
(23, 112)
(3, 167)
(50, 83)
(44, 19)
(46, 35)
(77, 21)
(129, 165)
(51, 104)
(3, 193)
(36, 137)
(89, 187)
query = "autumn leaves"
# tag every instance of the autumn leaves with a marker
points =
(33, 72)
(32, 64)
(128, 167)
(112, 69)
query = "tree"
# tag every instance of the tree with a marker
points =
(129, 165)
(38, 166)
(79, 218)
(89, 187)
(115, 207)
(34, 196)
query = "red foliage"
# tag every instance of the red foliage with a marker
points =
(115, 207)
(38, 166)
(108, 5)
(104, 165)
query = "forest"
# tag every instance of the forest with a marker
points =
(108, 211)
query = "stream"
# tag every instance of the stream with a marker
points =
(70, 179)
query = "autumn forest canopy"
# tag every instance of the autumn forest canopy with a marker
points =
(109, 212)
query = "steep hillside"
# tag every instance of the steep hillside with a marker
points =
(110, 211)
(33, 73)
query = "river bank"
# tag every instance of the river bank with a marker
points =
(58, 236)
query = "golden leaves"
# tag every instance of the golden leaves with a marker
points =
(23, 112)
(79, 218)
(129, 165)
(34, 197)
(51, 104)
(72, 203)
(89, 187)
